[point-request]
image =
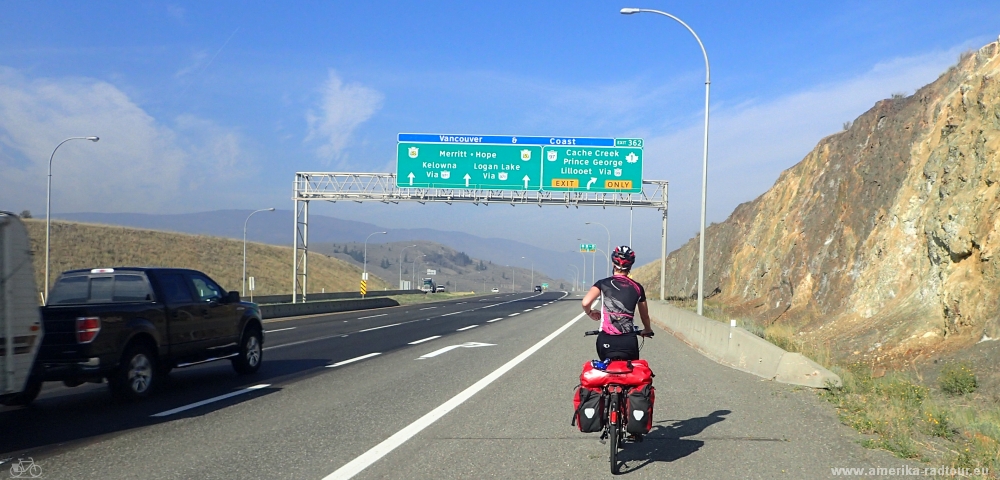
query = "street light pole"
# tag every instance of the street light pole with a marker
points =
(576, 279)
(48, 208)
(704, 167)
(609, 242)
(244, 287)
(532, 271)
(364, 270)
(413, 274)
(401, 266)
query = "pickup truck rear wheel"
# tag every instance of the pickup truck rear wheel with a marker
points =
(26, 396)
(136, 376)
(251, 354)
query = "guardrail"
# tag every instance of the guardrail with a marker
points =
(269, 299)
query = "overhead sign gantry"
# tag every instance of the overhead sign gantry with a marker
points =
(484, 169)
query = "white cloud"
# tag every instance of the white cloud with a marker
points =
(342, 108)
(139, 164)
(750, 144)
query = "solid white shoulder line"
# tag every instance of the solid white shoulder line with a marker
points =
(362, 462)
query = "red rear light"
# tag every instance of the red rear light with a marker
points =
(87, 329)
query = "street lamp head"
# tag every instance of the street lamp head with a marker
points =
(630, 11)
(383, 233)
(270, 209)
(93, 139)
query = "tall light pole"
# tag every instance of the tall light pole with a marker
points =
(606, 255)
(583, 273)
(609, 243)
(413, 274)
(364, 269)
(244, 288)
(704, 161)
(48, 208)
(401, 265)
(576, 279)
(532, 270)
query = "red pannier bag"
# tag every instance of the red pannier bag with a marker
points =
(621, 372)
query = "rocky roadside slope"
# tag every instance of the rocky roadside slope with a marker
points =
(883, 242)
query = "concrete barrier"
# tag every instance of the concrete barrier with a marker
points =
(279, 310)
(740, 349)
(268, 299)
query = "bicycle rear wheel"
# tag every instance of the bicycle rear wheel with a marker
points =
(614, 430)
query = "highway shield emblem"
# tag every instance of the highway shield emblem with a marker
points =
(445, 174)
(413, 151)
(502, 176)
(553, 155)
(525, 155)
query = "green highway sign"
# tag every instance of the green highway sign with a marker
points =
(474, 166)
(545, 285)
(508, 162)
(593, 169)
(587, 247)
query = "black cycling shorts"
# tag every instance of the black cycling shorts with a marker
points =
(622, 347)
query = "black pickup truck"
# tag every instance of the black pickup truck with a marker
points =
(133, 325)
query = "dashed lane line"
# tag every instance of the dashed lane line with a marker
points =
(373, 316)
(377, 328)
(279, 330)
(425, 340)
(494, 320)
(466, 328)
(355, 359)
(210, 400)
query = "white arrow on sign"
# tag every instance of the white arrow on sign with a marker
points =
(467, 178)
(452, 347)
(591, 182)
(411, 176)
(525, 181)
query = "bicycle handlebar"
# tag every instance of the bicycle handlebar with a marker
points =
(634, 332)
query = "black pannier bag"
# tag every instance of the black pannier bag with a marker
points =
(588, 409)
(639, 407)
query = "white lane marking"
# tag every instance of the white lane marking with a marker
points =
(373, 316)
(362, 462)
(210, 400)
(452, 347)
(514, 314)
(528, 310)
(536, 308)
(459, 303)
(466, 328)
(452, 313)
(495, 319)
(428, 308)
(425, 340)
(279, 330)
(376, 328)
(355, 359)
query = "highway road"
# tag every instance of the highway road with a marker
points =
(479, 387)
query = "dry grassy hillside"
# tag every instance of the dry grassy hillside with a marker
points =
(80, 245)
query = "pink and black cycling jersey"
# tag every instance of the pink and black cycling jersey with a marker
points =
(619, 297)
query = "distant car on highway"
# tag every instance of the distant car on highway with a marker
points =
(133, 325)
(439, 288)
(495, 290)
(538, 288)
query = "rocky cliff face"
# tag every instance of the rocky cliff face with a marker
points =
(884, 240)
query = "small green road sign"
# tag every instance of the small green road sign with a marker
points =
(545, 285)
(587, 247)
(593, 169)
(474, 166)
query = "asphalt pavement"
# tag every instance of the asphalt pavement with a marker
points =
(479, 387)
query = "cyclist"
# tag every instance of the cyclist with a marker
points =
(620, 298)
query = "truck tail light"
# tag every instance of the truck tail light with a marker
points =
(87, 329)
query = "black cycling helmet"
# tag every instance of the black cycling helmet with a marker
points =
(623, 257)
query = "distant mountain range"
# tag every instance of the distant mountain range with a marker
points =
(276, 228)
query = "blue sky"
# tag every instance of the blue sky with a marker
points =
(210, 105)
